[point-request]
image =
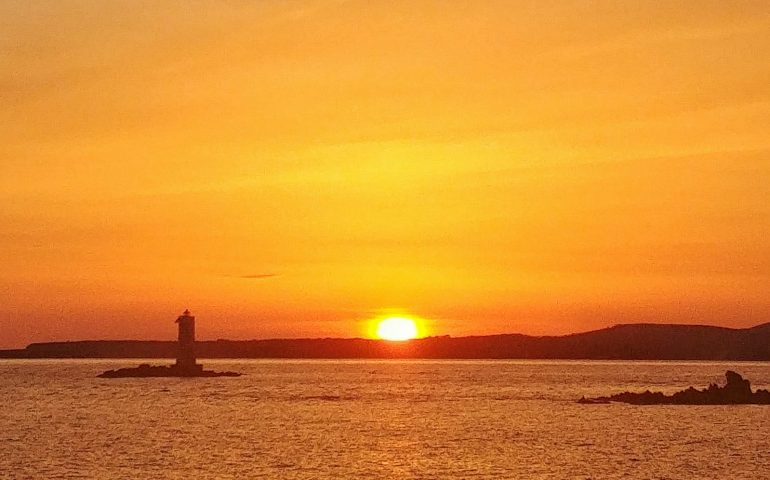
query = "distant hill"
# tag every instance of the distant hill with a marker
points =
(621, 342)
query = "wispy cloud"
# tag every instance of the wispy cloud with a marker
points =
(257, 276)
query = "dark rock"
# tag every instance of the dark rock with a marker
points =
(148, 371)
(737, 391)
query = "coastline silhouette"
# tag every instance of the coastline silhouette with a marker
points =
(621, 342)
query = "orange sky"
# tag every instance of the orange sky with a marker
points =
(490, 166)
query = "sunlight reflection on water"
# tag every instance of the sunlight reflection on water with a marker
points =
(375, 419)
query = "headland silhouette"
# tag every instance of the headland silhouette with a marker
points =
(621, 342)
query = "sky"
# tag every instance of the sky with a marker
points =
(297, 168)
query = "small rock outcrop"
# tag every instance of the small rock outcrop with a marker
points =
(147, 371)
(737, 391)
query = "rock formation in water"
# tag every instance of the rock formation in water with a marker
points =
(146, 371)
(186, 363)
(737, 391)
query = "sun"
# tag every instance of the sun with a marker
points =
(397, 329)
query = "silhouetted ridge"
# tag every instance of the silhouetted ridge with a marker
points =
(763, 326)
(620, 342)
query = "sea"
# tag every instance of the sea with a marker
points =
(362, 419)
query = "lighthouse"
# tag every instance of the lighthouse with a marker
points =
(186, 364)
(185, 356)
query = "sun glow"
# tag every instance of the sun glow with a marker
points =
(397, 329)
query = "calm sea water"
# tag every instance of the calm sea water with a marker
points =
(375, 419)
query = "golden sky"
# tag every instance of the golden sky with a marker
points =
(294, 168)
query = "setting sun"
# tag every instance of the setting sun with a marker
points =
(397, 329)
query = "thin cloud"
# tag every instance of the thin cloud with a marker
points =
(254, 276)
(259, 275)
